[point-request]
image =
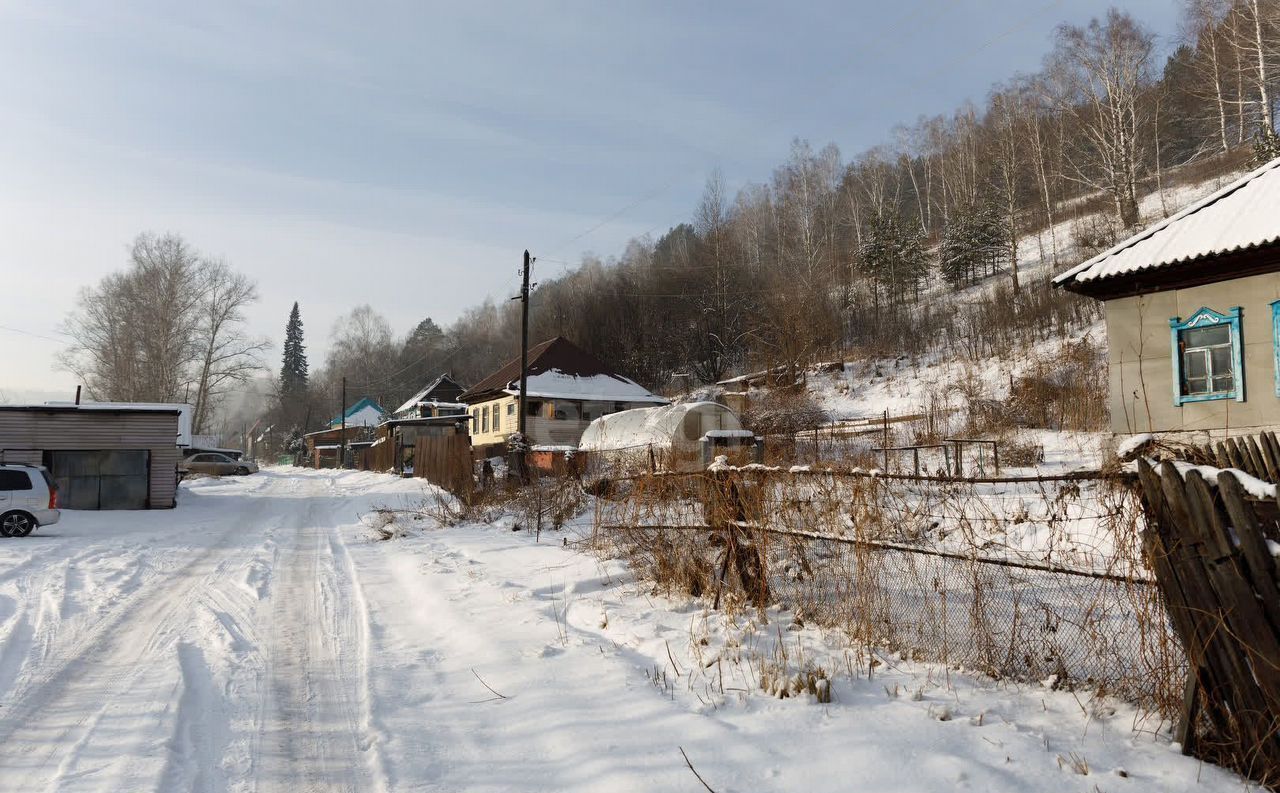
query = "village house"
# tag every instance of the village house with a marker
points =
(1193, 314)
(431, 418)
(439, 398)
(354, 428)
(567, 389)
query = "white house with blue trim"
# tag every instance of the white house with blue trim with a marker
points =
(1193, 314)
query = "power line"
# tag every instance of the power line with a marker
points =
(34, 335)
(642, 199)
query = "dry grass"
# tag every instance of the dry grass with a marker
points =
(919, 567)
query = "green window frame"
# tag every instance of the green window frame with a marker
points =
(1208, 356)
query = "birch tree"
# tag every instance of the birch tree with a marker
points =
(228, 356)
(1108, 66)
(169, 328)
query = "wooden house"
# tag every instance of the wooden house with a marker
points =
(438, 398)
(1192, 309)
(568, 388)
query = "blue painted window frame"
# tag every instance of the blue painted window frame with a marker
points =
(1275, 340)
(1207, 316)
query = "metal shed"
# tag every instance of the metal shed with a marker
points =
(102, 455)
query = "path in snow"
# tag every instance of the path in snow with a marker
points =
(216, 646)
(257, 639)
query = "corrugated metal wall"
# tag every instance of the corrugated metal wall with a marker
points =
(26, 434)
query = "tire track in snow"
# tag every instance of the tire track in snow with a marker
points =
(317, 735)
(49, 723)
(118, 672)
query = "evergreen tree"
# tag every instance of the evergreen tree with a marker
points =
(974, 243)
(425, 336)
(893, 256)
(1266, 146)
(293, 374)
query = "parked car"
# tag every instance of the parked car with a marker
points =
(28, 498)
(216, 465)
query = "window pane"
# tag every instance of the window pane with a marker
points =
(1197, 385)
(1223, 383)
(1221, 358)
(1195, 364)
(1206, 337)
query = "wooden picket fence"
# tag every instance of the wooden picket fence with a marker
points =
(1256, 455)
(379, 457)
(446, 461)
(1208, 542)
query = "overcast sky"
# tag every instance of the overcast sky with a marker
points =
(404, 154)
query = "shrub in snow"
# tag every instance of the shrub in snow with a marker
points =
(782, 411)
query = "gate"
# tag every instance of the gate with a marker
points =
(105, 479)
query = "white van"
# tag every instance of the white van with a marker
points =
(28, 498)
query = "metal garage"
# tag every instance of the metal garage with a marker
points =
(102, 455)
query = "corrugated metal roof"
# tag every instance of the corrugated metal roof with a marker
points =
(1245, 214)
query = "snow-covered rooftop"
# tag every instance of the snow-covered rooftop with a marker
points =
(420, 398)
(555, 384)
(1243, 215)
(560, 369)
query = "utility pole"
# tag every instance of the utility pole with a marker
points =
(524, 340)
(342, 443)
(517, 463)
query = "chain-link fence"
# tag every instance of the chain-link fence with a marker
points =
(1030, 579)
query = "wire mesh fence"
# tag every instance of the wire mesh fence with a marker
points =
(1031, 579)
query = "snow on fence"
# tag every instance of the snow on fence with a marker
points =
(1024, 578)
(1212, 536)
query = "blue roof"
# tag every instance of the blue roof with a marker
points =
(365, 402)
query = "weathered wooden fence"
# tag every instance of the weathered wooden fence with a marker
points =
(378, 457)
(445, 461)
(1211, 543)
(1256, 455)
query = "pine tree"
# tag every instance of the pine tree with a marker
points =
(893, 256)
(974, 243)
(1266, 146)
(293, 375)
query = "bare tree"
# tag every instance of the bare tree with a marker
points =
(1107, 66)
(1202, 20)
(1007, 111)
(1257, 50)
(170, 328)
(228, 355)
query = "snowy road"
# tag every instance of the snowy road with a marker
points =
(219, 645)
(257, 639)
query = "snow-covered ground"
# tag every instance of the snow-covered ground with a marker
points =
(258, 637)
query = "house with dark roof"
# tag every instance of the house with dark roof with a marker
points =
(1192, 310)
(567, 389)
(437, 398)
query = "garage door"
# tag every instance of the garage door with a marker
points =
(104, 479)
